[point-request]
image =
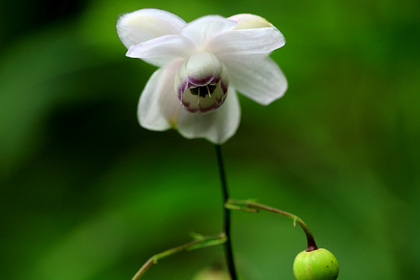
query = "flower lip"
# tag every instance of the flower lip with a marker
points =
(203, 98)
(202, 83)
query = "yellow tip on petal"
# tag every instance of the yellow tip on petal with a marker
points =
(248, 21)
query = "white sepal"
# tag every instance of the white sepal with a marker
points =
(142, 25)
(258, 77)
(161, 50)
(158, 107)
(247, 41)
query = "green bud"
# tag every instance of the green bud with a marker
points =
(319, 264)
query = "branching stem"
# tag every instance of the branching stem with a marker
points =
(201, 242)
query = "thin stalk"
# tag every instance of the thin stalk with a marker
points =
(201, 242)
(226, 216)
(250, 206)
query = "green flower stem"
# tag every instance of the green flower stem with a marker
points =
(199, 242)
(250, 206)
(226, 216)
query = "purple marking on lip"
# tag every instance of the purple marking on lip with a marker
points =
(188, 108)
(224, 87)
(210, 108)
(201, 109)
(191, 110)
(181, 89)
(200, 82)
(218, 101)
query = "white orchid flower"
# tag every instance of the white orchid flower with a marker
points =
(201, 66)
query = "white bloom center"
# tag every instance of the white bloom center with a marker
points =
(201, 83)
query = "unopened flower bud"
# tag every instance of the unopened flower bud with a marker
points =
(319, 264)
(201, 83)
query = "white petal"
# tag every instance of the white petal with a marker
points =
(159, 107)
(142, 25)
(161, 50)
(257, 77)
(247, 41)
(217, 126)
(205, 28)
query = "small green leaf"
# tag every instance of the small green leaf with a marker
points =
(196, 236)
(208, 242)
(240, 205)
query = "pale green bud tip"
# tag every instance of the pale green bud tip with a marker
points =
(319, 264)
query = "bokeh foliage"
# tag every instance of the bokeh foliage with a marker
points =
(88, 194)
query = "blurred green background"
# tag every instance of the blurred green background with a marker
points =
(86, 193)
